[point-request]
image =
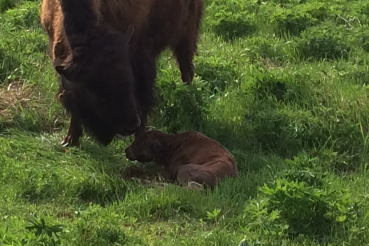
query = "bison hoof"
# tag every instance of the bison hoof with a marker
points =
(68, 142)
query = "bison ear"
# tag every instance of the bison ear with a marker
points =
(156, 147)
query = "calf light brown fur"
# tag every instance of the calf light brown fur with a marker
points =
(105, 51)
(188, 157)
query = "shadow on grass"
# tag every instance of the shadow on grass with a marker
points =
(217, 76)
(231, 30)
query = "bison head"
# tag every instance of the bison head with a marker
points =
(149, 146)
(98, 83)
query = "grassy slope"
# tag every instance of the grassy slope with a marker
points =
(281, 84)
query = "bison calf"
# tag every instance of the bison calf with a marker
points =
(188, 157)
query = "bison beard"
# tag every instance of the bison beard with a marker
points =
(108, 71)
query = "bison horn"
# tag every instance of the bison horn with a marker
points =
(130, 32)
(68, 85)
(59, 69)
(137, 124)
(138, 121)
(121, 137)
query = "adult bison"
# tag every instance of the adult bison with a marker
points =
(104, 52)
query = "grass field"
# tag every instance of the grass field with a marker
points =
(282, 84)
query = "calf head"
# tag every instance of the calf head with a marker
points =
(98, 84)
(149, 146)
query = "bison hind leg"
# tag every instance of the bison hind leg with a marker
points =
(185, 47)
(184, 52)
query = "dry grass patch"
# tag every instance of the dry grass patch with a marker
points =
(13, 96)
(269, 63)
(150, 178)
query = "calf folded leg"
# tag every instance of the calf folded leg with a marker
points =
(209, 173)
(196, 173)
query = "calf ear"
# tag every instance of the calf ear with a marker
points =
(156, 147)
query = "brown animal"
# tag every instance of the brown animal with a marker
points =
(188, 157)
(104, 52)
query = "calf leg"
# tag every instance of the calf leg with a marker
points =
(195, 173)
(74, 132)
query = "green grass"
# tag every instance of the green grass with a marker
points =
(282, 84)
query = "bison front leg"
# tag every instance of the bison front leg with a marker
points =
(144, 68)
(75, 125)
(74, 132)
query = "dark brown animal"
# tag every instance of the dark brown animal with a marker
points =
(104, 52)
(188, 157)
